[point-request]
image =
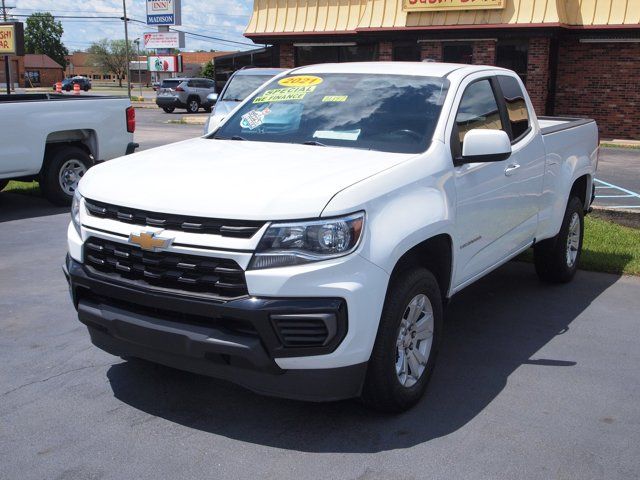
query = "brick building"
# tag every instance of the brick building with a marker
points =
(80, 63)
(32, 70)
(577, 58)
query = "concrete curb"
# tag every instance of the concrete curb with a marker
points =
(143, 105)
(628, 218)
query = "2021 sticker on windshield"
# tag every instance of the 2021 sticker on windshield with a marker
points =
(254, 118)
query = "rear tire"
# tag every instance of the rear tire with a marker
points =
(64, 167)
(400, 366)
(168, 109)
(193, 105)
(557, 258)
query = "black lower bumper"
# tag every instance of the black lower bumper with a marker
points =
(169, 102)
(235, 341)
(131, 148)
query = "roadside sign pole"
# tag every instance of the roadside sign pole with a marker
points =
(7, 71)
(126, 41)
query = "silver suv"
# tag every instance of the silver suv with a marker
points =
(189, 93)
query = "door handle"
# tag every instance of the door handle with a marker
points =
(511, 169)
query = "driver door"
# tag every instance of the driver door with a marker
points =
(492, 219)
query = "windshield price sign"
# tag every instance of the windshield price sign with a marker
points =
(163, 12)
(11, 39)
(437, 5)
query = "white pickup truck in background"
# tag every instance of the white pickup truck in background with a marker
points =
(332, 215)
(55, 139)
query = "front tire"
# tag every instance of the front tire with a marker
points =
(64, 167)
(557, 258)
(406, 346)
(168, 109)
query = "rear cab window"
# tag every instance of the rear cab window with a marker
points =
(516, 104)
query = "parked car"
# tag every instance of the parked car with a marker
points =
(55, 139)
(68, 83)
(308, 247)
(189, 93)
(155, 86)
(240, 85)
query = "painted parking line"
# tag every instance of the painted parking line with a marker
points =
(623, 193)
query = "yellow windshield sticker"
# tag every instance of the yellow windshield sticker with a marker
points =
(335, 98)
(284, 94)
(300, 81)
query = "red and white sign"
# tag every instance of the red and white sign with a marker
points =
(161, 40)
(164, 63)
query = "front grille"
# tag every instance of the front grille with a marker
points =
(226, 228)
(222, 278)
(305, 330)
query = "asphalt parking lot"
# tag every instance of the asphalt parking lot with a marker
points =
(533, 381)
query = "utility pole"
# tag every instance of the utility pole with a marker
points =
(126, 41)
(7, 69)
(137, 42)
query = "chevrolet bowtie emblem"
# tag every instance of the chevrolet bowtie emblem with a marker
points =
(149, 241)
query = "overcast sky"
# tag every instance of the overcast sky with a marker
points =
(224, 19)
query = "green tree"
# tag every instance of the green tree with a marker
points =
(43, 35)
(207, 71)
(111, 57)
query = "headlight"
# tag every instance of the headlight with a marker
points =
(75, 211)
(295, 243)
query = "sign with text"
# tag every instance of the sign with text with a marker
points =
(164, 63)
(439, 5)
(11, 39)
(163, 40)
(163, 12)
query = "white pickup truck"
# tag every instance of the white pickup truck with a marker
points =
(306, 248)
(55, 139)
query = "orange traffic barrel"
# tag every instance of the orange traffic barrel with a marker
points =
(58, 87)
(76, 88)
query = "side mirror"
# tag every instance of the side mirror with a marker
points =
(212, 98)
(482, 145)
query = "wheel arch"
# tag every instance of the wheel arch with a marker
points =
(436, 255)
(581, 188)
(86, 139)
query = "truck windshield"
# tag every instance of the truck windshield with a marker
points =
(389, 113)
(242, 85)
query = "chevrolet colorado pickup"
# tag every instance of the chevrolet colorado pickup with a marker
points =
(307, 246)
(55, 139)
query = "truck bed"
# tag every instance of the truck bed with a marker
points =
(550, 125)
(42, 97)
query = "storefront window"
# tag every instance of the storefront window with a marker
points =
(32, 77)
(308, 55)
(406, 52)
(512, 54)
(457, 53)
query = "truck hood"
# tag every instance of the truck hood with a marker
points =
(233, 179)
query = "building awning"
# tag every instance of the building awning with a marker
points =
(274, 18)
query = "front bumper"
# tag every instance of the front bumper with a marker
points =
(236, 340)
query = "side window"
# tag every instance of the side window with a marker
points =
(516, 106)
(478, 109)
(192, 84)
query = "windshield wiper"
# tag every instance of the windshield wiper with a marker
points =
(234, 137)
(313, 142)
